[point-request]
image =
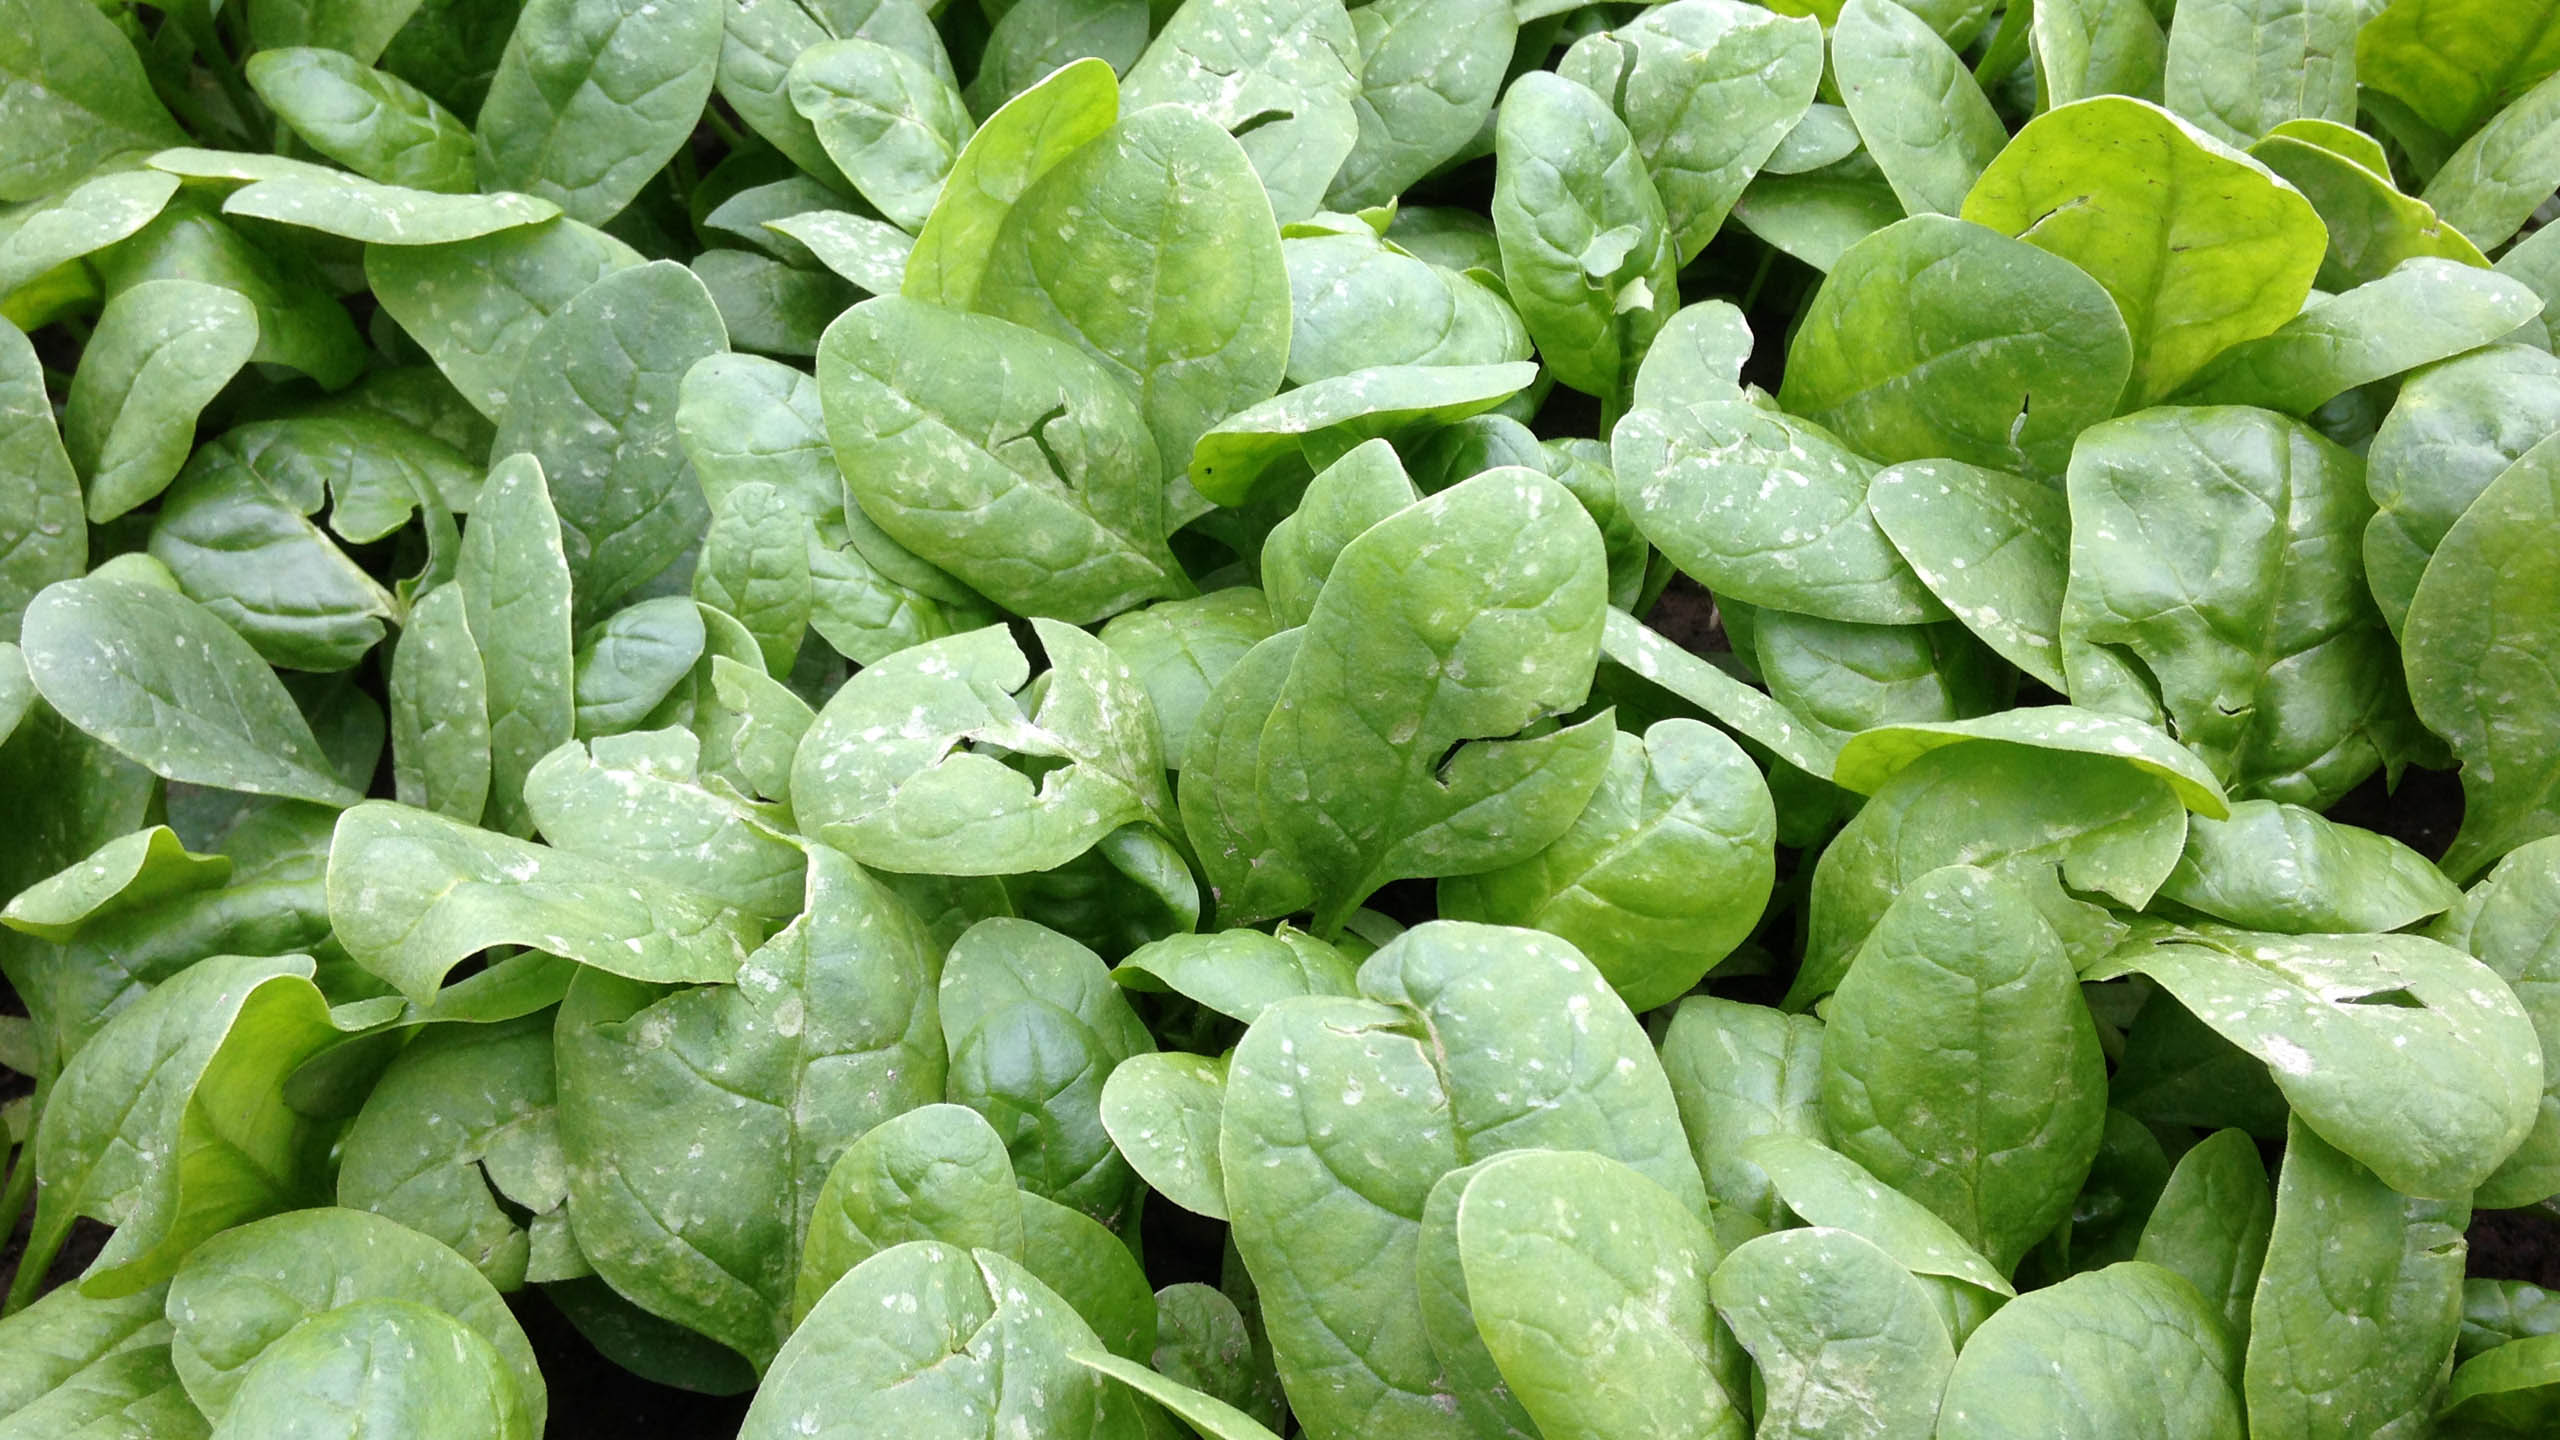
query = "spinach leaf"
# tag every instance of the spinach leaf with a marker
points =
(1587, 250)
(253, 1289)
(590, 99)
(892, 786)
(2479, 599)
(2062, 1361)
(413, 893)
(2223, 253)
(2443, 1090)
(1665, 871)
(2250, 631)
(753, 1086)
(1365, 782)
(1925, 122)
(2349, 1258)
(1846, 1339)
(1963, 990)
(956, 470)
(1935, 337)
(595, 403)
(160, 679)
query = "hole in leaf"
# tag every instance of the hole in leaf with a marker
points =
(1259, 119)
(2398, 997)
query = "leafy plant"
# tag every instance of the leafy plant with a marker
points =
(1413, 720)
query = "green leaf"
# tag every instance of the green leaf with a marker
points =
(888, 121)
(359, 28)
(1166, 196)
(2454, 428)
(2350, 1263)
(1816, 216)
(162, 350)
(1869, 760)
(1204, 1341)
(412, 894)
(986, 1345)
(1848, 1342)
(1587, 250)
(1163, 1112)
(1666, 870)
(78, 93)
(1252, 875)
(378, 125)
(2482, 598)
(2507, 1390)
(2413, 1055)
(2240, 68)
(1991, 546)
(1925, 122)
(591, 98)
(937, 1172)
(1357, 301)
(2084, 48)
(250, 552)
(1279, 74)
(1364, 777)
(458, 1141)
(1739, 1072)
(2427, 310)
(1709, 92)
(882, 773)
(2127, 1349)
(74, 1362)
(1746, 712)
(1825, 1188)
(1328, 1216)
(395, 1364)
(641, 802)
(1018, 144)
(1257, 454)
(476, 306)
(44, 537)
(596, 404)
(82, 220)
(1589, 1287)
(700, 1125)
(333, 202)
(2372, 225)
(1430, 71)
(2287, 869)
(246, 1292)
(2105, 825)
(1181, 649)
(1034, 1026)
(2210, 1227)
(755, 566)
(1208, 1414)
(2251, 628)
(2507, 923)
(172, 688)
(959, 472)
(1767, 508)
(171, 1123)
(870, 253)
(2457, 62)
(2201, 246)
(514, 579)
(132, 872)
(439, 706)
(1935, 337)
(1960, 1066)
